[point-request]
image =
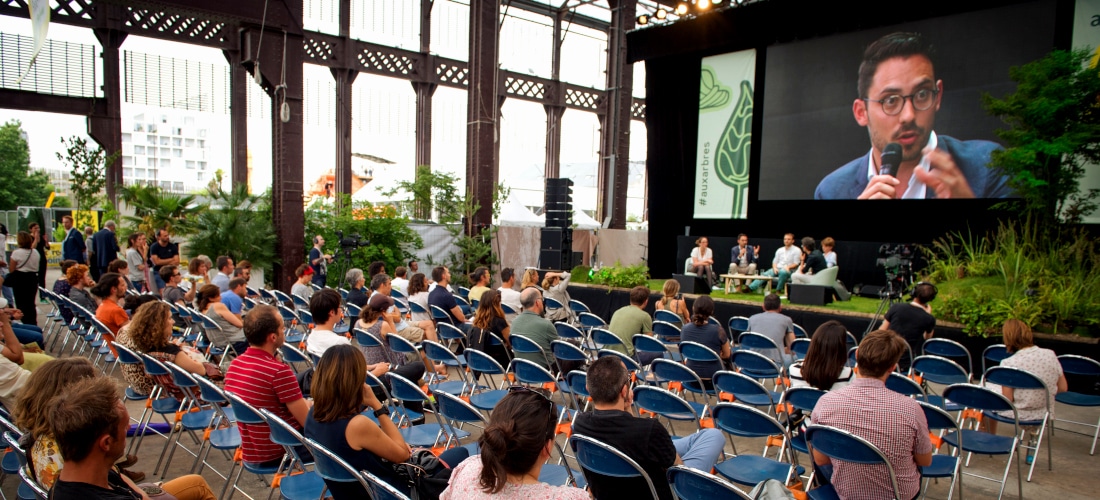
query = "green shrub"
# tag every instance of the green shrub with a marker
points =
(619, 276)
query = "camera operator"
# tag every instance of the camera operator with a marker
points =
(913, 321)
(319, 261)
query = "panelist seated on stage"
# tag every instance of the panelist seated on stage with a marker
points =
(813, 262)
(743, 257)
(899, 96)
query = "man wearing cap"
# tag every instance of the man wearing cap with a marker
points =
(302, 287)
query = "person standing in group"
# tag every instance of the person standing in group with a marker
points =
(89, 245)
(72, 247)
(702, 262)
(319, 261)
(163, 252)
(106, 249)
(5, 290)
(136, 255)
(41, 243)
(25, 262)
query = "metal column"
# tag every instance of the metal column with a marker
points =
(555, 107)
(105, 125)
(345, 77)
(238, 117)
(614, 171)
(424, 90)
(482, 109)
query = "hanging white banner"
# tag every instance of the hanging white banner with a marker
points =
(40, 24)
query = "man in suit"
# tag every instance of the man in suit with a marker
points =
(106, 249)
(72, 247)
(743, 258)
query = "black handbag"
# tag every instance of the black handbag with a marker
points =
(426, 474)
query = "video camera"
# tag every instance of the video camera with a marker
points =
(897, 262)
(351, 242)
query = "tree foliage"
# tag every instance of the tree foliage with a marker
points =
(87, 171)
(155, 209)
(21, 186)
(237, 224)
(1054, 133)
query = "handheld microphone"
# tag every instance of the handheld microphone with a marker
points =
(891, 157)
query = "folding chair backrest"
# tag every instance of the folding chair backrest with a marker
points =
(844, 446)
(400, 345)
(694, 484)
(331, 467)
(946, 348)
(667, 369)
(645, 343)
(528, 372)
(551, 304)
(437, 353)
(380, 489)
(664, 315)
(589, 320)
(799, 332)
(578, 306)
(664, 403)
(737, 324)
(605, 337)
(755, 365)
(905, 386)
(565, 351)
(978, 398)
(294, 355)
(454, 409)
(694, 351)
(578, 382)
(799, 348)
(282, 433)
(365, 339)
(665, 330)
(398, 294)
(993, 355)
(507, 309)
(603, 459)
(403, 389)
(631, 363)
(746, 421)
(1079, 365)
(439, 315)
(523, 344)
(353, 310)
(244, 412)
(480, 362)
(127, 356)
(1015, 378)
(448, 332)
(803, 398)
(567, 331)
(210, 392)
(753, 340)
(940, 370)
(740, 385)
(937, 418)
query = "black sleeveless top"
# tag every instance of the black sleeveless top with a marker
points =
(333, 435)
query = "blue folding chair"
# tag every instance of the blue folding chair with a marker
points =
(299, 301)
(578, 306)
(578, 384)
(603, 459)
(565, 352)
(225, 439)
(946, 348)
(760, 343)
(737, 325)
(436, 353)
(551, 304)
(507, 309)
(332, 468)
(804, 399)
(1084, 367)
(667, 332)
(307, 485)
(589, 321)
(841, 445)
(984, 443)
(455, 412)
(248, 415)
(632, 365)
(450, 334)
(667, 316)
(524, 345)
(1020, 380)
(757, 366)
(15, 463)
(424, 435)
(905, 386)
(652, 345)
(942, 465)
(745, 389)
(694, 484)
(799, 348)
(398, 294)
(419, 313)
(743, 421)
(294, 357)
(664, 403)
(993, 355)
(482, 397)
(531, 374)
(941, 370)
(604, 338)
(799, 332)
(353, 310)
(439, 315)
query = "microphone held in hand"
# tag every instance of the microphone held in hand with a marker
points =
(891, 157)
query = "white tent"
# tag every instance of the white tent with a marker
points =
(581, 220)
(513, 213)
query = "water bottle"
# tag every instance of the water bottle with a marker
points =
(1030, 449)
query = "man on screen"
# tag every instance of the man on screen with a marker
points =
(899, 96)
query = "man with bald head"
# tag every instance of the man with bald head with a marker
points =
(531, 324)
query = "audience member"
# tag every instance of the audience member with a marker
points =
(150, 332)
(381, 359)
(243, 270)
(89, 253)
(892, 422)
(171, 277)
(62, 287)
(490, 319)
(414, 267)
(702, 262)
(556, 286)
(42, 242)
(264, 381)
(672, 301)
(813, 262)
(376, 267)
(356, 293)
(645, 440)
(508, 294)
(826, 363)
(89, 423)
(225, 270)
(530, 278)
(336, 421)
(110, 290)
(122, 268)
(137, 252)
(12, 377)
(827, 246)
(701, 330)
(197, 269)
(1043, 363)
(23, 276)
(326, 308)
(233, 297)
(414, 331)
(631, 320)
(442, 298)
(80, 282)
(775, 325)
(400, 280)
(163, 252)
(301, 288)
(230, 326)
(480, 279)
(530, 323)
(787, 259)
(418, 294)
(913, 321)
(5, 290)
(72, 246)
(319, 261)
(106, 249)
(514, 446)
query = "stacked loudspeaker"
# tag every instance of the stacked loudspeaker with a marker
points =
(556, 250)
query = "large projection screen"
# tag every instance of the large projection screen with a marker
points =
(809, 129)
(725, 134)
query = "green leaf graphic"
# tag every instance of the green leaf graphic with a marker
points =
(731, 161)
(712, 94)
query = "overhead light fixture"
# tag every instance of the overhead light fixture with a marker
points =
(702, 4)
(682, 8)
(643, 20)
(661, 14)
(715, 2)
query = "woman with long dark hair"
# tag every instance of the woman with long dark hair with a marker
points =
(210, 304)
(381, 358)
(418, 293)
(515, 444)
(150, 332)
(826, 363)
(703, 331)
(490, 319)
(337, 421)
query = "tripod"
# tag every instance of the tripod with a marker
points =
(895, 287)
(342, 263)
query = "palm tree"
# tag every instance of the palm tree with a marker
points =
(237, 224)
(155, 209)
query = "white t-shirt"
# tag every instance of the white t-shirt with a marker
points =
(830, 259)
(510, 297)
(795, 371)
(400, 284)
(785, 256)
(320, 340)
(707, 255)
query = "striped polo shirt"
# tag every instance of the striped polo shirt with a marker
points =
(263, 382)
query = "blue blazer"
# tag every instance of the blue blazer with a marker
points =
(972, 157)
(73, 246)
(735, 255)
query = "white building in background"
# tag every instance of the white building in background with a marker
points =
(168, 148)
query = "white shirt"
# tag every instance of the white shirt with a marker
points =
(320, 340)
(510, 297)
(786, 256)
(830, 259)
(916, 189)
(400, 284)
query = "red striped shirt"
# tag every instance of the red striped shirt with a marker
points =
(263, 382)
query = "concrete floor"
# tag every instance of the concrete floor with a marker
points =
(1074, 474)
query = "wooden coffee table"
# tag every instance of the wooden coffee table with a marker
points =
(747, 277)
